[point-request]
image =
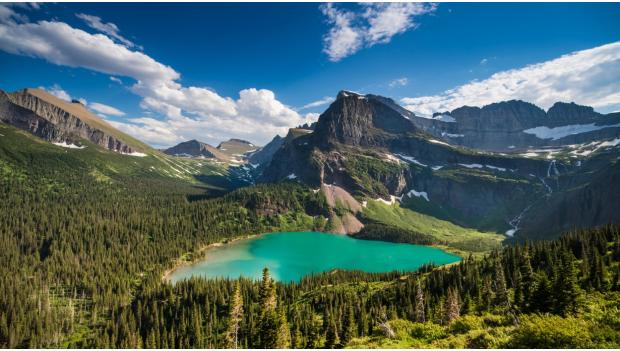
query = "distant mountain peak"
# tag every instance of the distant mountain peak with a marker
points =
(357, 119)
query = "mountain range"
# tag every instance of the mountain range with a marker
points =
(509, 167)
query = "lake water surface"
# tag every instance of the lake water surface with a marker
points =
(292, 255)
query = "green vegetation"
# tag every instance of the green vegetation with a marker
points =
(440, 231)
(371, 173)
(87, 234)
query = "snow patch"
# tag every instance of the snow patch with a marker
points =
(391, 158)
(563, 131)
(436, 168)
(392, 200)
(423, 194)
(438, 142)
(411, 160)
(496, 168)
(291, 176)
(449, 135)
(68, 145)
(472, 165)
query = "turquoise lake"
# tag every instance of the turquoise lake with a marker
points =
(290, 256)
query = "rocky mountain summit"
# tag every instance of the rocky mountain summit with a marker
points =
(195, 148)
(519, 125)
(56, 120)
(375, 150)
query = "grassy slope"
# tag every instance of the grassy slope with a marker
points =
(455, 237)
(26, 151)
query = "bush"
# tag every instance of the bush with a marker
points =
(549, 331)
(465, 324)
(428, 331)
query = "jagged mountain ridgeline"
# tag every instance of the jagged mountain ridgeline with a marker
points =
(515, 124)
(99, 231)
(378, 151)
(56, 120)
(509, 168)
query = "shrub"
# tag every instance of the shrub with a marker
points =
(465, 324)
(428, 331)
(549, 331)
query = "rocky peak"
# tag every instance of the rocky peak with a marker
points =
(562, 112)
(357, 119)
(510, 116)
(193, 148)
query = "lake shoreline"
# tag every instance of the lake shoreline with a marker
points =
(200, 255)
(189, 260)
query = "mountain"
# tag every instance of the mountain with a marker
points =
(262, 157)
(373, 149)
(518, 125)
(195, 148)
(236, 147)
(56, 120)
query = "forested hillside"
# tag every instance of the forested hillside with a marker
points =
(83, 258)
(79, 241)
(557, 294)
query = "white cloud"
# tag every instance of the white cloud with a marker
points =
(589, 77)
(105, 109)
(58, 92)
(399, 82)
(324, 101)
(484, 61)
(189, 111)
(109, 28)
(388, 19)
(344, 38)
(376, 24)
(116, 80)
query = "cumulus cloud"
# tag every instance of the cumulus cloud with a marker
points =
(399, 82)
(324, 101)
(109, 28)
(377, 23)
(105, 109)
(589, 77)
(189, 111)
(58, 92)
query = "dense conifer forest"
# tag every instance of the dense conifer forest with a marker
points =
(83, 256)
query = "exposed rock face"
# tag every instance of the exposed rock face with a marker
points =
(362, 120)
(236, 147)
(263, 155)
(194, 148)
(36, 112)
(368, 146)
(503, 126)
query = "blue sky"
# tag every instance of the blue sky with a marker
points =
(214, 71)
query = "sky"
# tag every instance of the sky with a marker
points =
(167, 73)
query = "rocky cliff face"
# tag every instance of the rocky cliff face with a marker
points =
(355, 119)
(194, 148)
(513, 125)
(368, 146)
(32, 112)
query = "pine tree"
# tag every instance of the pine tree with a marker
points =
(527, 279)
(348, 327)
(541, 299)
(566, 290)
(452, 307)
(235, 318)
(419, 304)
(331, 338)
(269, 319)
(283, 339)
(499, 284)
